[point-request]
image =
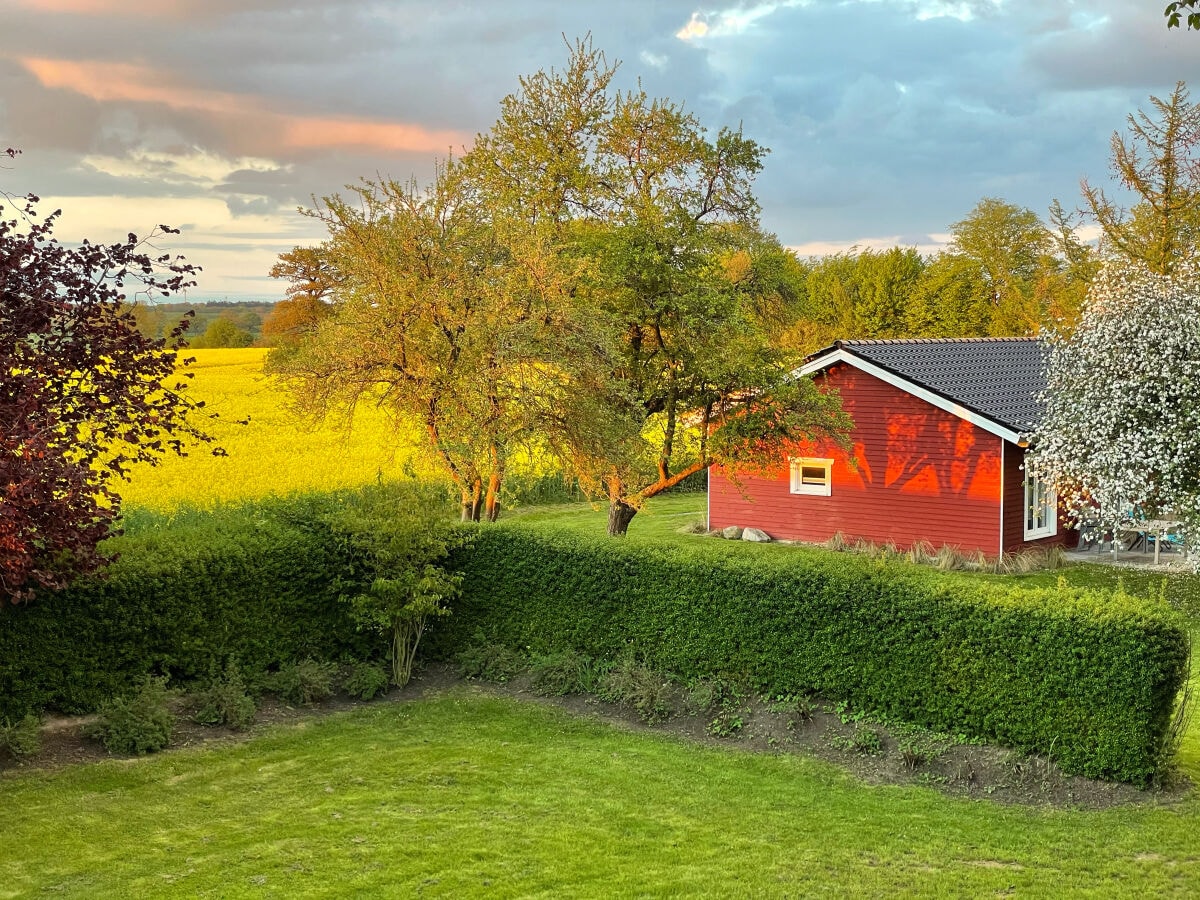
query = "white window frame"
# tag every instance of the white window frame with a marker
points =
(1041, 509)
(797, 467)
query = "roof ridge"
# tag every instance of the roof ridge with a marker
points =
(955, 340)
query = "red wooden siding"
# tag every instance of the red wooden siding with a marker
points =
(1014, 509)
(919, 473)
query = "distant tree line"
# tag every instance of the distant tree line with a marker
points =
(1006, 270)
(221, 323)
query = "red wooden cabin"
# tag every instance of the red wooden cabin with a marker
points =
(939, 438)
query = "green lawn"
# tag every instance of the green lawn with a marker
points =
(466, 794)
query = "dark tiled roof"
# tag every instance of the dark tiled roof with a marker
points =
(998, 378)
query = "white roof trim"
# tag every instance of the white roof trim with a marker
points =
(825, 360)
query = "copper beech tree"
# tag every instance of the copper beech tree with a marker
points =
(83, 394)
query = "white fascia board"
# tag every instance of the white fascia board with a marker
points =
(840, 355)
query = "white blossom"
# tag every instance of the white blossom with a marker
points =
(1121, 436)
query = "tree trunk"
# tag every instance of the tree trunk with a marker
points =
(492, 505)
(472, 502)
(620, 514)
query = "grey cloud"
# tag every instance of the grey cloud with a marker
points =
(259, 206)
(915, 240)
(879, 123)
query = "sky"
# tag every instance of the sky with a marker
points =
(888, 120)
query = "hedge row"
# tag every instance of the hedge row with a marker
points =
(1089, 678)
(258, 583)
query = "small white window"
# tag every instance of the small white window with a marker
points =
(812, 476)
(1041, 509)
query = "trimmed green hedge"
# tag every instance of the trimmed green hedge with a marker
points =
(259, 583)
(1089, 678)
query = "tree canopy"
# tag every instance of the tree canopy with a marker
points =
(1157, 160)
(83, 394)
(1121, 437)
(1004, 272)
(589, 277)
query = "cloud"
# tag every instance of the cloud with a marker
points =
(696, 27)
(658, 61)
(193, 166)
(887, 118)
(100, 7)
(924, 243)
(259, 206)
(109, 82)
(735, 20)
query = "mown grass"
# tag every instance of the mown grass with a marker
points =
(466, 795)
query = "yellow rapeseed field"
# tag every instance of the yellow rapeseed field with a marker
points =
(275, 453)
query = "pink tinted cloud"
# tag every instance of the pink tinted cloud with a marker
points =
(108, 7)
(160, 9)
(108, 82)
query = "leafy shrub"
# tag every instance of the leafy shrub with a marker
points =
(727, 723)
(366, 680)
(138, 722)
(565, 672)
(1090, 677)
(633, 684)
(489, 661)
(917, 750)
(307, 682)
(22, 738)
(706, 694)
(722, 696)
(798, 707)
(400, 534)
(700, 697)
(866, 741)
(224, 701)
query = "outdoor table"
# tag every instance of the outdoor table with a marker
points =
(1159, 528)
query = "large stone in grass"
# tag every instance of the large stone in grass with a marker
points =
(731, 532)
(757, 535)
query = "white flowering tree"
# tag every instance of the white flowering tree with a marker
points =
(1121, 437)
